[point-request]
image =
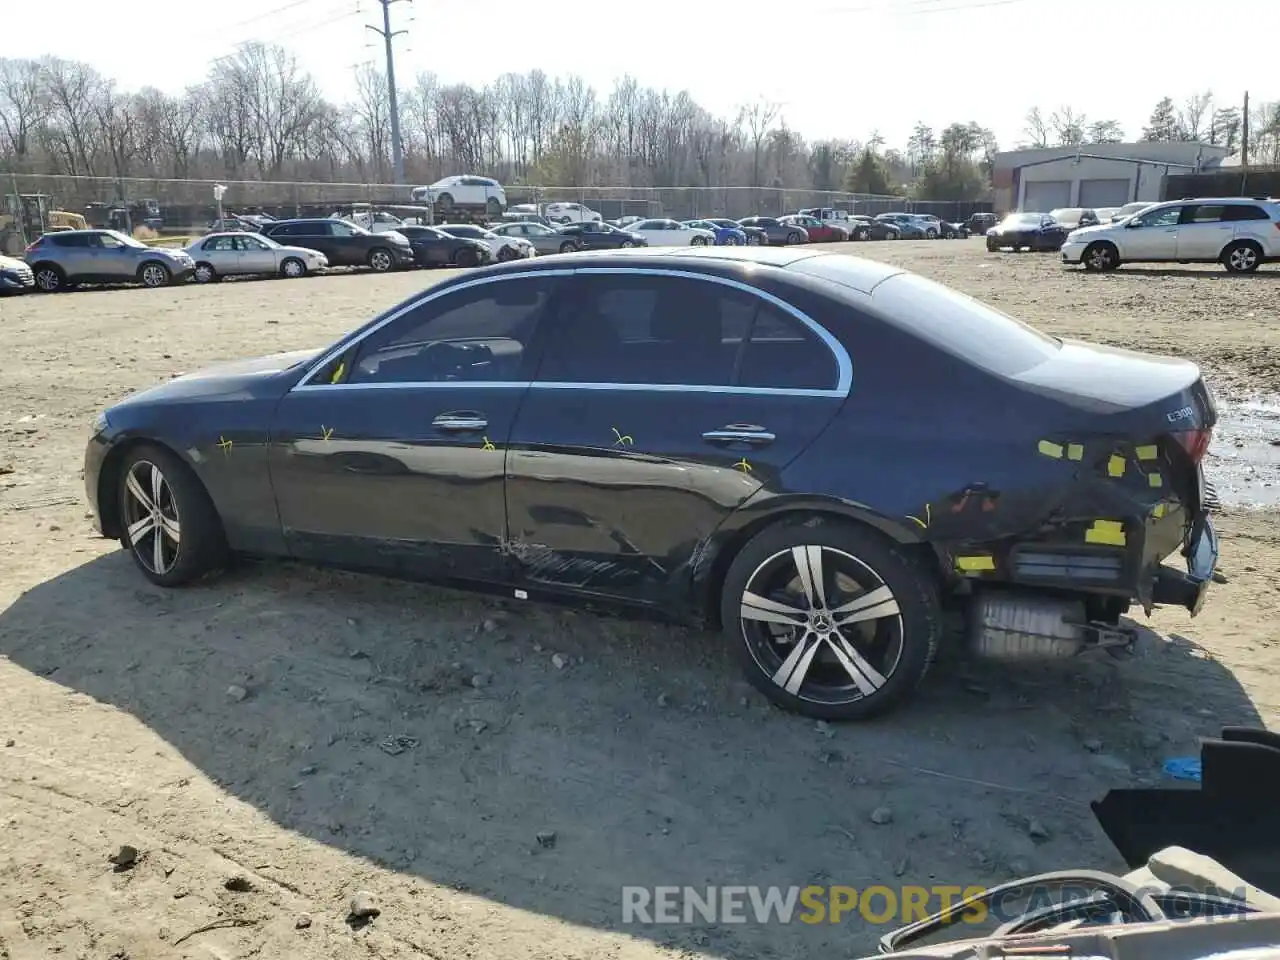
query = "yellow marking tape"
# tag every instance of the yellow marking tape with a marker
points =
(1115, 466)
(621, 439)
(225, 444)
(928, 518)
(1107, 532)
(325, 432)
(975, 564)
(1075, 451)
(1051, 449)
(1155, 480)
(337, 374)
(1158, 511)
(1150, 452)
(488, 445)
(743, 465)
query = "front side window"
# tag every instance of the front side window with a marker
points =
(479, 334)
(109, 241)
(339, 228)
(664, 330)
(221, 243)
(251, 243)
(1164, 217)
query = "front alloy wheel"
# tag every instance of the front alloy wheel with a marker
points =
(153, 528)
(380, 261)
(154, 275)
(831, 621)
(167, 521)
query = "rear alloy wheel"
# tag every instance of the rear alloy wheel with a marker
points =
(507, 254)
(168, 524)
(568, 246)
(467, 258)
(154, 275)
(795, 238)
(625, 244)
(293, 268)
(931, 234)
(1100, 257)
(1242, 257)
(829, 619)
(380, 260)
(864, 235)
(699, 241)
(204, 273)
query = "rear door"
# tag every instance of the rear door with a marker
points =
(664, 402)
(1251, 222)
(1203, 231)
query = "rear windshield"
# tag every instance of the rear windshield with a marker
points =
(963, 326)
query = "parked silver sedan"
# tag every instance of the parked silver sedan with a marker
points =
(221, 255)
(544, 239)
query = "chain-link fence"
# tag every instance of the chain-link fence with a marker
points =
(187, 205)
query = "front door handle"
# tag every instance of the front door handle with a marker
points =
(462, 421)
(747, 433)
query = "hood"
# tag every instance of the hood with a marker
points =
(227, 380)
(11, 263)
(1090, 230)
(1014, 228)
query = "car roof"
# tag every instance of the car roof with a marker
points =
(858, 273)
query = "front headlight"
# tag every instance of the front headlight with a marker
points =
(100, 423)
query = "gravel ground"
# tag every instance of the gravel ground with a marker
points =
(275, 742)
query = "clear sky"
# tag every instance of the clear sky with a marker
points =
(838, 68)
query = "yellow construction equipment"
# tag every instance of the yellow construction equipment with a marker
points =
(26, 216)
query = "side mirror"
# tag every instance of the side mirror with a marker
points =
(1133, 225)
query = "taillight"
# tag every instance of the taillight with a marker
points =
(1195, 442)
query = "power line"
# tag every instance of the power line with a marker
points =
(388, 37)
(268, 14)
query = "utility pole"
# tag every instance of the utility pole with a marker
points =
(388, 36)
(1244, 132)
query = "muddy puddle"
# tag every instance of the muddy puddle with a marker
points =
(1244, 458)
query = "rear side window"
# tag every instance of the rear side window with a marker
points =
(663, 330)
(74, 240)
(1243, 211)
(962, 326)
(1204, 213)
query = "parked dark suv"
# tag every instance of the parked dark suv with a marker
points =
(344, 243)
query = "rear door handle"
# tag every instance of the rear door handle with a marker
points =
(747, 433)
(462, 421)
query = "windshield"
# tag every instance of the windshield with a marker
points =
(1067, 214)
(963, 326)
(267, 240)
(124, 238)
(1131, 208)
(1023, 219)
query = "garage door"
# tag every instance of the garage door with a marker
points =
(1044, 195)
(1103, 193)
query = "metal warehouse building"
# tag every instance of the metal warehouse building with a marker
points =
(1095, 174)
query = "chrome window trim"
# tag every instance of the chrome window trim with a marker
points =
(844, 365)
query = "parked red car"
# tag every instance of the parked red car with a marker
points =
(819, 232)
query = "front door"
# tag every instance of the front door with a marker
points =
(663, 403)
(391, 456)
(115, 259)
(1203, 232)
(1152, 236)
(254, 255)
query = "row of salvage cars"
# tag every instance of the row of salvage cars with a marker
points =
(832, 517)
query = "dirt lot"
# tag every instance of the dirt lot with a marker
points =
(645, 755)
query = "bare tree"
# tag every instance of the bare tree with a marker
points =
(1036, 128)
(1068, 126)
(757, 120)
(1104, 131)
(23, 106)
(1196, 110)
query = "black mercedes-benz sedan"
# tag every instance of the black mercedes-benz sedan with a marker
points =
(818, 454)
(1037, 232)
(435, 248)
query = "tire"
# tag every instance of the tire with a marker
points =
(993, 247)
(1100, 257)
(893, 235)
(154, 274)
(380, 260)
(864, 235)
(445, 202)
(625, 245)
(506, 255)
(893, 654)
(293, 268)
(190, 537)
(1243, 256)
(698, 242)
(949, 235)
(492, 207)
(49, 278)
(931, 234)
(204, 273)
(795, 238)
(467, 258)
(568, 247)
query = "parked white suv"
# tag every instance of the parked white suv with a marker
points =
(1239, 232)
(465, 191)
